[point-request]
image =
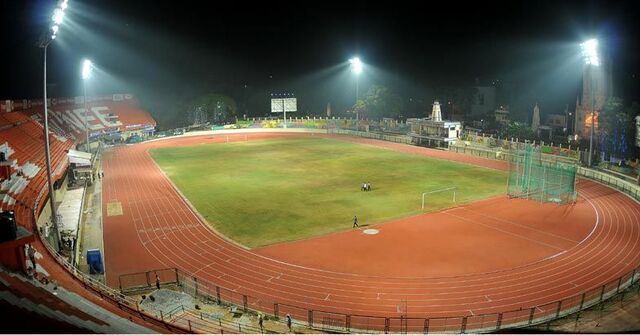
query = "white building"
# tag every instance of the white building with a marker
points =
(434, 131)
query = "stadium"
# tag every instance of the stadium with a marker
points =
(303, 224)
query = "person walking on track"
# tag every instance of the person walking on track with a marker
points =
(289, 322)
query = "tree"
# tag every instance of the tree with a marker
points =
(360, 109)
(518, 130)
(217, 108)
(616, 128)
(380, 102)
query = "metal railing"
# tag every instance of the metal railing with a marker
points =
(345, 323)
(377, 136)
(629, 188)
(193, 320)
(113, 296)
(506, 155)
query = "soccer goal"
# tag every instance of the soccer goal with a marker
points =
(427, 194)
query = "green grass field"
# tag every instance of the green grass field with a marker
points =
(264, 192)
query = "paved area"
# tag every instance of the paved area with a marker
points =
(91, 232)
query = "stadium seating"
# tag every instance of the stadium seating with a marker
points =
(22, 141)
(29, 295)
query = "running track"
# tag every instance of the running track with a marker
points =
(593, 243)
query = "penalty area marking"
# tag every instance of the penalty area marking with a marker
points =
(371, 231)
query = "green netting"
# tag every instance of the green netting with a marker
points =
(544, 181)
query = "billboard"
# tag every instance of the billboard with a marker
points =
(280, 105)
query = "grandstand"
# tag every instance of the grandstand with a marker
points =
(23, 177)
(23, 190)
(112, 114)
(23, 172)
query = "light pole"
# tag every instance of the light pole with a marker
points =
(87, 68)
(356, 68)
(590, 53)
(56, 20)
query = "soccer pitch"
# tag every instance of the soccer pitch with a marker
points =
(263, 192)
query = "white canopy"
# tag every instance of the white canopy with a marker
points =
(79, 158)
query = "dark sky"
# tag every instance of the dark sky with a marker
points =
(165, 51)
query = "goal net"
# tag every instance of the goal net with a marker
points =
(444, 197)
(533, 178)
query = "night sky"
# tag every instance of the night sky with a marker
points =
(168, 51)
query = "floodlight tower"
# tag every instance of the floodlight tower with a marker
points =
(56, 20)
(356, 68)
(87, 69)
(591, 58)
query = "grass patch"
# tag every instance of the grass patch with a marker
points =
(265, 192)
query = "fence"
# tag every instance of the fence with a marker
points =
(127, 304)
(489, 141)
(183, 320)
(507, 156)
(147, 280)
(377, 136)
(331, 321)
(626, 187)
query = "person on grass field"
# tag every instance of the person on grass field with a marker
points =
(355, 221)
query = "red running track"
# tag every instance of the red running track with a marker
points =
(487, 257)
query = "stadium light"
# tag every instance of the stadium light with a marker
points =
(58, 15)
(87, 69)
(591, 58)
(590, 52)
(356, 68)
(356, 65)
(56, 20)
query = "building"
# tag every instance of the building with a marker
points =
(484, 100)
(434, 131)
(502, 115)
(599, 79)
(557, 121)
(638, 131)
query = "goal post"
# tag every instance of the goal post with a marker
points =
(425, 194)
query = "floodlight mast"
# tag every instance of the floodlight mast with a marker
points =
(356, 68)
(591, 58)
(57, 18)
(87, 68)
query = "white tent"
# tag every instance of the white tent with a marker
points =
(79, 158)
